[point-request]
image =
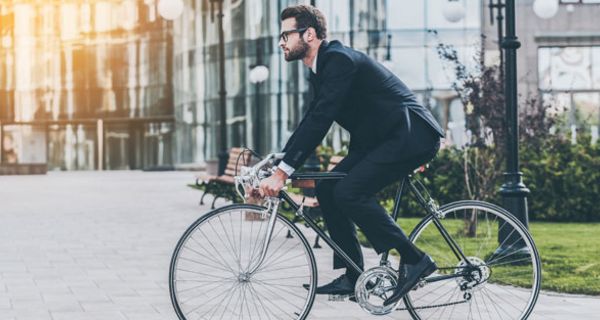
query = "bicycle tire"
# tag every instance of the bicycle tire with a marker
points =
(264, 293)
(507, 275)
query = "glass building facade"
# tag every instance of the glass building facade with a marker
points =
(85, 85)
(103, 84)
(394, 29)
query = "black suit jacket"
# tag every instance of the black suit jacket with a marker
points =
(363, 97)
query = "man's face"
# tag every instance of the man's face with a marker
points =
(295, 48)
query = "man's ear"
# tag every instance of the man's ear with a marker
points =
(311, 34)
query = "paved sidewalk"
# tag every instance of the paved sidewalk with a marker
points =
(97, 245)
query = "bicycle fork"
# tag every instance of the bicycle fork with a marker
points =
(273, 206)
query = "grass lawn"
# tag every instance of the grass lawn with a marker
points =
(570, 254)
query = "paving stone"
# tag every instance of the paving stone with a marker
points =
(97, 245)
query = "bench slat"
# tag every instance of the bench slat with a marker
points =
(334, 161)
(303, 183)
(309, 202)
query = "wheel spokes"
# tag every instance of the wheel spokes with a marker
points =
(209, 271)
(502, 272)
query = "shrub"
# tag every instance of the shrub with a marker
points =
(564, 180)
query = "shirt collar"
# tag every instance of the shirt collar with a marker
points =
(314, 64)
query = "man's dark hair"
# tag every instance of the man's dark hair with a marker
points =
(307, 16)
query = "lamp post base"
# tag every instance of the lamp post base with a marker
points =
(514, 196)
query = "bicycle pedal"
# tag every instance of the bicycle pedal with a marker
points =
(341, 297)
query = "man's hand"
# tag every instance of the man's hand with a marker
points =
(271, 186)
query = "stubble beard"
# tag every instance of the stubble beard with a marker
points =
(299, 52)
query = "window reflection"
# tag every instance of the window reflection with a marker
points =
(571, 77)
(586, 106)
(456, 123)
(566, 68)
(66, 65)
(75, 61)
(407, 14)
(337, 13)
(23, 144)
(71, 147)
(363, 24)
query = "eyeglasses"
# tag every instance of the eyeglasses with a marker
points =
(284, 35)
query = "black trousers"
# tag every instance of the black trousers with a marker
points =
(352, 200)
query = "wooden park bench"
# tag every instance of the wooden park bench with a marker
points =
(223, 186)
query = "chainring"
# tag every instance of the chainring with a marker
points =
(373, 287)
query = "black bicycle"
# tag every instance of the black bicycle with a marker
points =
(239, 261)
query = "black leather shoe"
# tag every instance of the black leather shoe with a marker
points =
(409, 276)
(340, 286)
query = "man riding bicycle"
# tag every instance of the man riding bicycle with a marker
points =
(391, 134)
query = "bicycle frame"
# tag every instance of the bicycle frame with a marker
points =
(406, 182)
(257, 251)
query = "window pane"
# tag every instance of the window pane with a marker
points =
(472, 14)
(405, 14)
(586, 108)
(337, 13)
(456, 123)
(23, 144)
(595, 67)
(570, 68)
(410, 67)
(544, 70)
(440, 77)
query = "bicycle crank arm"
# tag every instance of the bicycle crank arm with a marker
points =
(341, 297)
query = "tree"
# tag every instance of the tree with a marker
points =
(481, 92)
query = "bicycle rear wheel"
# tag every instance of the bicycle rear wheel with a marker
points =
(209, 274)
(503, 278)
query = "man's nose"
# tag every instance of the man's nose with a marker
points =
(281, 43)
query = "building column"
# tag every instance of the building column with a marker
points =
(100, 146)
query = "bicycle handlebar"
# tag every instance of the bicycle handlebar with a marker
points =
(251, 176)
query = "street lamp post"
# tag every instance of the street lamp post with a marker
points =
(387, 61)
(222, 137)
(258, 73)
(499, 6)
(513, 191)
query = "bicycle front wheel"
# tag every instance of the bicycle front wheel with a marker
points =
(500, 280)
(209, 276)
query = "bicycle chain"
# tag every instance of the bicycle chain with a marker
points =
(466, 296)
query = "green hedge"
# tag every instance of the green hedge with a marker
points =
(443, 179)
(564, 180)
